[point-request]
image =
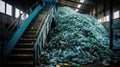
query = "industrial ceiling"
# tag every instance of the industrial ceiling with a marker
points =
(84, 5)
(21, 4)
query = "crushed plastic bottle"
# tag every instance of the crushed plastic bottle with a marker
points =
(78, 38)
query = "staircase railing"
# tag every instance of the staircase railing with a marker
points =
(42, 33)
(15, 24)
(18, 32)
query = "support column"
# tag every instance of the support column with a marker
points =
(104, 7)
(13, 11)
(5, 7)
(96, 11)
(111, 22)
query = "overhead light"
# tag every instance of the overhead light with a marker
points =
(76, 10)
(79, 6)
(82, 1)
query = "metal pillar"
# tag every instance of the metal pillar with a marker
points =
(96, 10)
(104, 7)
(5, 7)
(111, 22)
(13, 11)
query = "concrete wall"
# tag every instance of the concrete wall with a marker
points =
(102, 9)
(5, 20)
(107, 25)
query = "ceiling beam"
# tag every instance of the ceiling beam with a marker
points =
(77, 2)
(92, 2)
(66, 4)
(83, 4)
(83, 12)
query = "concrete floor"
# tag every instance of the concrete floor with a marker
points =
(97, 65)
(89, 65)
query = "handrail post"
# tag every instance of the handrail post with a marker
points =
(18, 21)
(40, 32)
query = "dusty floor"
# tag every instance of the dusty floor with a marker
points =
(96, 65)
(89, 65)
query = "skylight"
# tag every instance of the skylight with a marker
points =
(82, 1)
(79, 6)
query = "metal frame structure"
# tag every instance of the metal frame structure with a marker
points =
(42, 33)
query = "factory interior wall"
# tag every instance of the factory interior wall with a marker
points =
(102, 9)
(5, 20)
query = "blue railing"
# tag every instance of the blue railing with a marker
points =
(42, 34)
(19, 32)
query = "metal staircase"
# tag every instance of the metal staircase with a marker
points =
(26, 51)
(24, 46)
(23, 52)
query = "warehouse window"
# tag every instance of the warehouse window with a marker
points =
(100, 20)
(9, 10)
(106, 18)
(116, 14)
(2, 6)
(17, 13)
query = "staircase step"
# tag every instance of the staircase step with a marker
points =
(31, 29)
(25, 45)
(20, 57)
(34, 26)
(30, 32)
(29, 36)
(19, 64)
(26, 40)
(36, 22)
(23, 51)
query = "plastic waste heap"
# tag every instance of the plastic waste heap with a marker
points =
(77, 38)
